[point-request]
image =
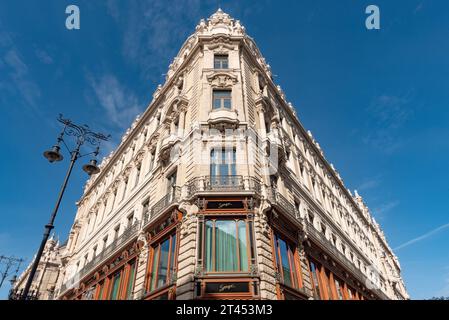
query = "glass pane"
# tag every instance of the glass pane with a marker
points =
(163, 264)
(285, 264)
(217, 103)
(292, 265)
(208, 251)
(338, 289)
(314, 271)
(115, 286)
(227, 103)
(233, 161)
(172, 255)
(243, 248)
(129, 287)
(225, 246)
(154, 268)
(100, 294)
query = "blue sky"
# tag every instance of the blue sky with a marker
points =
(376, 101)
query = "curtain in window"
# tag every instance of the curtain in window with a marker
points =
(100, 293)
(226, 259)
(154, 268)
(315, 277)
(115, 286)
(243, 247)
(209, 243)
(129, 287)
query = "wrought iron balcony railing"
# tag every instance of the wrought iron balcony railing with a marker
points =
(340, 257)
(223, 183)
(124, 238)
(283, 204)
(226, 183)
(166, 201)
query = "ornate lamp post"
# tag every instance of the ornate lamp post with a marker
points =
(82, 134)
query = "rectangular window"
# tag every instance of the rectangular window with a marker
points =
(222, 99)
(285, 262)
(116, 232)
(221, 62)
(105, 242)
(171, 184)
(151, 161)
(338, 289)
(315, 275)
(100, 288)
(137, 176)
(223, 166)
(115, 288)
(131, 277)
(124, 188)
(226, 245)
(163, 264)
(130, 220)
(146, 210)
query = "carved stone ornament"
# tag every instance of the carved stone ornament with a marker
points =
(222, 80)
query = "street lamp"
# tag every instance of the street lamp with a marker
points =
(82, 134)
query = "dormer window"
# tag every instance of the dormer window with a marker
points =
(222, 99)
(221, 61)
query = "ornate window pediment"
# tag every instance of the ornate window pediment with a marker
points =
(222, 80)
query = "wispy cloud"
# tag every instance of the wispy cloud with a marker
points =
(16, 77)
(423, 237)
(369, 184)
(153, 31)
(19, 75)
(119, 103)
(419, 7)
(384, 208)
(43, 56)
(388, 114)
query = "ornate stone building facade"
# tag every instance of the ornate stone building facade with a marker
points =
(47, 274)
(218, 191)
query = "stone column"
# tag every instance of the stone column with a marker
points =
(139, 284)
(187, 253)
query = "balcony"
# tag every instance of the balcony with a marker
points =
(129, 233)
(329, 247)
(167, 145)
(284, 205)
(166, 202)
(231, 183)
(223, 117)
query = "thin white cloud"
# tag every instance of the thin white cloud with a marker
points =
(43, 56)
(19, 76)
(369, 184)
(120, 104)
(386, 207)
(423, 237)
(388, 114)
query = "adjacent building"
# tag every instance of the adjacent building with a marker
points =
(218, 192)
(47, 274)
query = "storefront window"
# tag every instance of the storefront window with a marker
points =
(163, 264)
(226, 245)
